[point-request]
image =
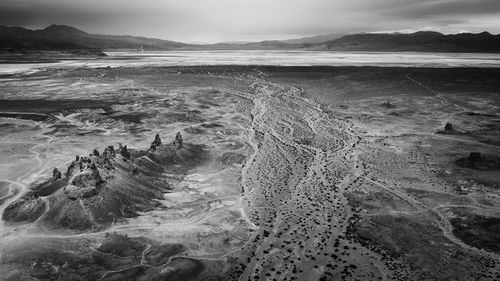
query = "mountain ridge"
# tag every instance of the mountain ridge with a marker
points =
(67, 38)
(63, 37)
(421, 41)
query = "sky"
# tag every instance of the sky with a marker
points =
(210, 21)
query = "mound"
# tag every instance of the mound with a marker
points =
(449, 130)
(99, 188)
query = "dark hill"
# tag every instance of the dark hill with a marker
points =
(52, 39)
(66, 38)
(423, 41)
(69, 39)
(63, 30)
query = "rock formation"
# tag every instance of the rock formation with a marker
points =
(155, 143)
(124, 152)
(85, 179)
(157, 140)
(387, 104)
(448, 127)
(178, 141)
(56, 174)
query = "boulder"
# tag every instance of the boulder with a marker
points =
(449, 130)
(86, 182)
(152, 147)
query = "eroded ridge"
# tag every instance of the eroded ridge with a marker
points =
(102, 187)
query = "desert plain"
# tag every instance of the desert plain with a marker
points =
(250, 173)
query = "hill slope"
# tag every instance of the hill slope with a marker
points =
(423, 41)
(66, 38)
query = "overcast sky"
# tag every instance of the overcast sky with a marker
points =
(250, 20)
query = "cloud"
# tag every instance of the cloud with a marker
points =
(444, 8)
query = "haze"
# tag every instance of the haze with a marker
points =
(251, 20)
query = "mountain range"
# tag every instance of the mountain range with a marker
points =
(67, 39)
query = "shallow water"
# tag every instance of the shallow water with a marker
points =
(265, 57)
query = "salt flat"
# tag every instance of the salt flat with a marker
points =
(27, 64)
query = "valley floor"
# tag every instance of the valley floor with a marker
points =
(286, 173)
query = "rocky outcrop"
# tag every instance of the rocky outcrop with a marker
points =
(155, 143)
(387, 104)
(26, 209)
(449, 130)
(84, 178)
(124, 152)
(178, 142)
(56, 174)
(99, 188)
(109, 151)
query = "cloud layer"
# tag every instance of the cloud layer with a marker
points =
(219, 20)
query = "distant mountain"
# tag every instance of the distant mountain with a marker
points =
(69, 39)
(62, 30)
(20, 40)
(233, 42)
(315, 39)
(423, 41)
(303, 40)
